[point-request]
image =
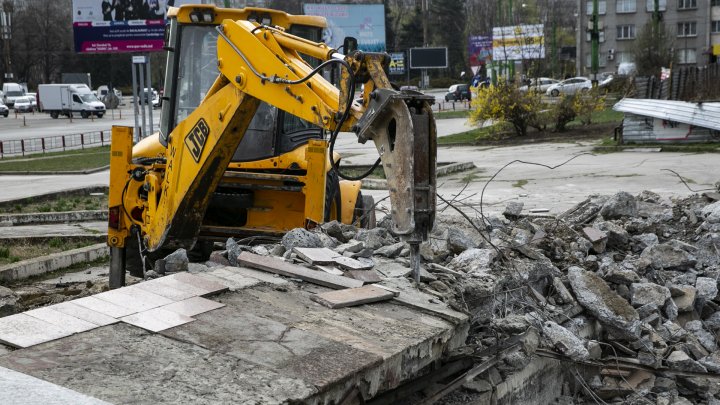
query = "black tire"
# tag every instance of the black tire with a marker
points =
(555, 92)
(6, 114)
(84, 114)
(364, 211)
(332, 196)
(54, 115)
(100, 115)
(201, 251)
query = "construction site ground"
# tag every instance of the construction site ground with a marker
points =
(270, 342)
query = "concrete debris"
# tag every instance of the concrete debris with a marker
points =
(390, 251)
(176, 261)
(648, 293)
(680, 361)
(706, 288)
(667, 256)
(9, 302)
(711, 213)
(513, 209)
(474, 261)
(565, 341)
(458, 241)
(300, 237)
(620, 205)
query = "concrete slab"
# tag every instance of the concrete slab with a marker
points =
(251, 273)
(124, 364)
(169, 288)
(265, 346)
(18, 388)
(210, 287)
(233, 282)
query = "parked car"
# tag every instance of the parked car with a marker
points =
(569, 86)
(23, 104)
(458, 92)
(4, 110)
(33, 100)
(538, 85)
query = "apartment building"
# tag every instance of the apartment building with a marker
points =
(694, 26)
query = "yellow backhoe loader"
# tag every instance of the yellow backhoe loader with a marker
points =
(247, 135)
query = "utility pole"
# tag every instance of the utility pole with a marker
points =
(6, 34)
(595, 40)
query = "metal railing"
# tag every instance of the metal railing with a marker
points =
(55, 143)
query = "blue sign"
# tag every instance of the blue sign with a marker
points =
(366, 22)
(480, 49)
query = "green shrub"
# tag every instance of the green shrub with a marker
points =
(585, 104)
(4, 252)
(564, 112)
(55, 242)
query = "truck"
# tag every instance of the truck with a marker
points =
(69, 99)
(247, 136)
(11, 91)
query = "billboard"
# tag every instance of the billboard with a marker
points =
(397, 63)
(428, 58)
(366, 22)
(518, 42)
(112, 26)
(480, 49)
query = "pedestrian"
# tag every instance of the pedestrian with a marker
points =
(107, 9)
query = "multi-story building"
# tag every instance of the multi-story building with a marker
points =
(694, 26)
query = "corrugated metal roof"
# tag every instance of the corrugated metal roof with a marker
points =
(705, 115)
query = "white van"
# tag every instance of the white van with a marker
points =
(66, 99)
(11, 91)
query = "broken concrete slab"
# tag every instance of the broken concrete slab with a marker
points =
(648, 293)
(474, 260)
(565, 341)
(707, 288)
(22, 330)
(9, 302)
(620, 205)
(353, 296)
(349, 263)
(314, 256)
(680, 361)
(458, 241)
(300, 237)
(390, 251)
(597, 237)
(366, 276)
(284, 268)
(667, 256)
(19, 388)
(606, 305)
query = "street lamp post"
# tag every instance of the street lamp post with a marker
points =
(6, 34)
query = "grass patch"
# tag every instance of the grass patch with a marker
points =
(610, 146)
(451, 114)
(605, 116)
(12, 251)
(520, 183)
(75, 160)
(62, 204)
(469, 137)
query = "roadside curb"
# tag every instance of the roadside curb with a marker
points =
(381, 184)
(56, 261)
(49, 196)
(41, 173)
(52, 217)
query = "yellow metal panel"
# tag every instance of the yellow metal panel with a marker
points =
(314, 190)
(278, 18)
(120, 157)
(349, 194)
(149, 147)
(277, 211)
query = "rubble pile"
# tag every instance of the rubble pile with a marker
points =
(624, 288)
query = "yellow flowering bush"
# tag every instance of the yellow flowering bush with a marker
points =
(586, 103)
(503, 102)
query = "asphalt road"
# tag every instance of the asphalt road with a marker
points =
(37, 125)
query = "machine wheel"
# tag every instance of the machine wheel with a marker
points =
(555, 93)
(201, 251)
(332, 196)
(365, 211)
(84, 114)
(54, 114)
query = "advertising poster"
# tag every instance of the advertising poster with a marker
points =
(397, 63)
(366, 22)
(518, 42)
(113, 26)
(480, 49)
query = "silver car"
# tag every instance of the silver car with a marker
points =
(538, 85)
(4, 110)
(23, 104)
(570, 86)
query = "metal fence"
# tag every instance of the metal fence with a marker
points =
(685, 84)
(21, 147)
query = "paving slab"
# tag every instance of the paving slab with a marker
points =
(210, 287)
(157, 319)
(86, 314)
(134, 299)
(21, 330)
(193, 306)
(22, 389)
(103, 307)
(232, 281)
(61, 320)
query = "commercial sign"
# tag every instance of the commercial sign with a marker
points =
(366, 22)
(480, 49)
(397, 63)
(518, 42)
(113, 26)
(428, 58)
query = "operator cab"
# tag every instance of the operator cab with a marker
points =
(192, 69)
